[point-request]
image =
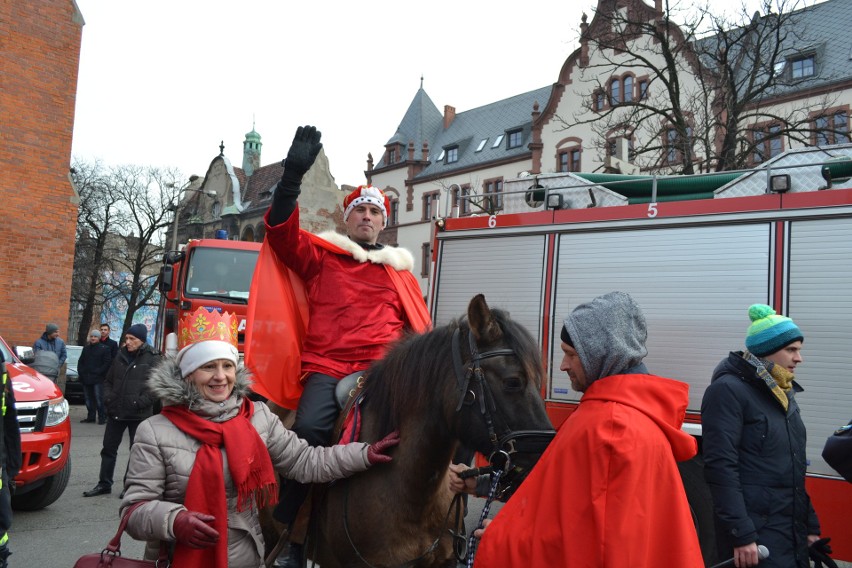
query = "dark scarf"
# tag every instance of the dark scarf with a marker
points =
(250, 467)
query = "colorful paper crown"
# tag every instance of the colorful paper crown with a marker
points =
(204, 325)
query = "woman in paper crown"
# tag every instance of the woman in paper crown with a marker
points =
(207, 463)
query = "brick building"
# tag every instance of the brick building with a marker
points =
(41, 55)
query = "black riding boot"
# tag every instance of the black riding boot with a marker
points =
(293, 557)
(5, 553)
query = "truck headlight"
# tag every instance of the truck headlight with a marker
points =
(57, 411)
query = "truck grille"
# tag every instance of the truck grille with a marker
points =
(32, 415)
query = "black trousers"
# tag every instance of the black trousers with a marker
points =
(94, 401)
(315, 418)
(113, 433)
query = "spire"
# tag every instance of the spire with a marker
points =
(251, 151)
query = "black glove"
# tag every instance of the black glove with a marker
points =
(192, 529)
(303, 151)
(819, 552)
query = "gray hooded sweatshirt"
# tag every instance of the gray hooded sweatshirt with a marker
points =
(609, 336)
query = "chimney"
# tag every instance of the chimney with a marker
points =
(449, 115)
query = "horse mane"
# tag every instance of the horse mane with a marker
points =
(417, 364)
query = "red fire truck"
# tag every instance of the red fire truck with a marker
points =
(695, 252)
(211, 273)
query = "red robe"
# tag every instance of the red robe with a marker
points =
(607, 492)
(315, 307)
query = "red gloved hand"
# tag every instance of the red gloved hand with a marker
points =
(376, 452)
(192, 529)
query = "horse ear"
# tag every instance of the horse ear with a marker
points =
(483, 325)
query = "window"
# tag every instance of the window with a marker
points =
(425, 259)
(452, 154)
(600, 100)
(481, 145)
(768, 143)
(430, 202)
(675, 146)
(831, 129)
(441, 156)
(628, 89)
(802, 67)
(569, 160)
(497, 141)
(493, 190)
(643, 89)
(394, 212)
(391, 156)
(514, 140)
(461, 199)
(615, 92)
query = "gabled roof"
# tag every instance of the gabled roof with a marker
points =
(486, 123)
(467, 131)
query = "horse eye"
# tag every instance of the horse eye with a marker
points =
(514, 384)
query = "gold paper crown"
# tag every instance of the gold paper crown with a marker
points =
(202, 325)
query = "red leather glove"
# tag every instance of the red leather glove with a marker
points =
(192, 529)
(376, 452)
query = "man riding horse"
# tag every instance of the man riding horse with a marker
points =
(360, 296)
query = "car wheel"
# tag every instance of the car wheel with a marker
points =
(46, 494)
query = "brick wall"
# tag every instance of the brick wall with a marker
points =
(40, 46)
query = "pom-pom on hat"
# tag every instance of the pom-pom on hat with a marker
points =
(769, 331)
(366, 194)
(205, 336)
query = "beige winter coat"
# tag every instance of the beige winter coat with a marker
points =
(162, 457)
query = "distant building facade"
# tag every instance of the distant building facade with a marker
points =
(235, 199)
(435, 159)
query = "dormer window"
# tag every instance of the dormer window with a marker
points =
(391, 155)
(452, 154)
(515, 137)
(802, 67)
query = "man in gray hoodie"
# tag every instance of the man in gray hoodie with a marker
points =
(607, 491)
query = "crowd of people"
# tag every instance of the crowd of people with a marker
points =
(607, 492)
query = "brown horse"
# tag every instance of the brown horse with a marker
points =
(472, 382)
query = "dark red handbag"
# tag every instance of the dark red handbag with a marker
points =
(110, 557)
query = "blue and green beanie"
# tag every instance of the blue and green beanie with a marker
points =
(769, 332)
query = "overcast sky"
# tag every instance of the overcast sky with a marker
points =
(162, 82)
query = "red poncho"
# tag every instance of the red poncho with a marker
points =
(607, 492)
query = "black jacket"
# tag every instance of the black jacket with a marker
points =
(94, 363)
(126, 394)
(10, 431)
(754, 454)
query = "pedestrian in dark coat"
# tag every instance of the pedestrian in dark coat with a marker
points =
(107, 340)
(10, 458)
(838, 451)
(127, 399)
(754, 448)
(93, 365)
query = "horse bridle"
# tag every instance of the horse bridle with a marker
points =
(508, 442)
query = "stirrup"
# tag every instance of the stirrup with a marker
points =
(283, 541)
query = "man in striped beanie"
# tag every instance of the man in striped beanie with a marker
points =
(754, 449)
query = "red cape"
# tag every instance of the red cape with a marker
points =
(278, 315)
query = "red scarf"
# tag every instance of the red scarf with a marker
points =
(251, 472)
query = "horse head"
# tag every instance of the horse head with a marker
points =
(499, 373)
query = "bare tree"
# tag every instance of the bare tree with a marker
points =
(690, 96)
(122, 224)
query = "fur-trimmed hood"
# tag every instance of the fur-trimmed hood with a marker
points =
(396, 257)
(167, 384)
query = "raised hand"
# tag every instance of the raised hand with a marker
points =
(303, 151)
